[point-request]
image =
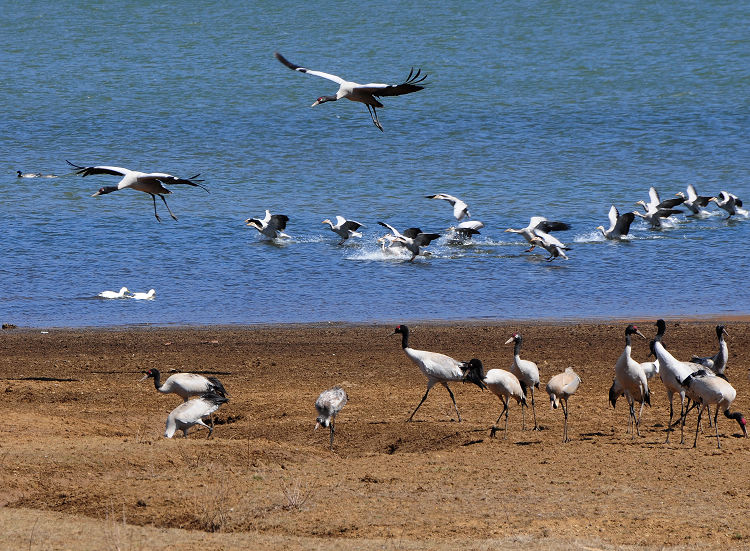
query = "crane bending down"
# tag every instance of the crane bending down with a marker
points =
(328, 404)
(503, 384)
(192, 412)
(362, 93)
(147, 182)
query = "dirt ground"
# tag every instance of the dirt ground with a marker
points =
(85, 465)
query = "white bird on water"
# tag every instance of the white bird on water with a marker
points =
(344, 228)
(561, 387)
(501, 383)
(552, 245)
(33, 175)
(145, 296)
(148, 182)
(271, 225)
(329, 404)
(362, 93)
(730, 203)
(694, 202)
(192, 412)
(438, 368)
(413, 239)
(122, 293)
(539, 227)
(619, 224)
(460, 209)
(465, 230)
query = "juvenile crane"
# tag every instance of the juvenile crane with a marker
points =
(527, 373)
(561, 387)
(438, 368)
(329, 404)
(362, 93)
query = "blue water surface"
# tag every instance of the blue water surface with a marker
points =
(557, 109)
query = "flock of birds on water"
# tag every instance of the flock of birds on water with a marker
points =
(414, 240)
(700, 383)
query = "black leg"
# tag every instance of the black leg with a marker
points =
(454, 400)
(153, 198)
(429, 386)
(165, 204)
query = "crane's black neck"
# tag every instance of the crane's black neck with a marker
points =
(404, 336)
(661, 328)
(107, 189)
(157, 378)
(323, 99)
(517, 346)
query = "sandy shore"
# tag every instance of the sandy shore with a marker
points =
(85, 466)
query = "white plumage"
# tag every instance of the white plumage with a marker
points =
(329, 404)
(144, 296)
(551, 244)
(501, 383)
(122, 293)
(527, 373)
(718, 362)
(185, 385)
(344, 228)
(147, 182)
(438, 368)
(460, 209)
(632, 380)
(619, 224)
(694, 202)
(465, 230)
(711, 389)
(413, 239)
(730, 203)
(561, 387)
(539, 227)
(362, 93)
(271, 225)
(192, 412)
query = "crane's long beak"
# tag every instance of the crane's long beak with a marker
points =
(317, 425)
(316, 103)
(637, 332)
(510, 340)
(143, 378)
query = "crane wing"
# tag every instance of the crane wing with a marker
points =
(89, 170)
(411, 84)
(293, 67)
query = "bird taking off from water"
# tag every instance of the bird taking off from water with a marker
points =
(362, 93)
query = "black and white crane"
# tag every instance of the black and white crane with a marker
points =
(711, 389)
(527, 373)
(413, 239)
(460, 209)
(672, 373)
(192, 412)
(148, 182)
(438, 368)
(329, 404)
(344, 228)
(619, 224)
(561, 387)
(631, 378)
(718, 362)
(362, 93)
(501, 383)
(271, 225)
(185, 385)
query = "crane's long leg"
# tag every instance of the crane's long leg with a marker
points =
(165, 204)
(632, 417)
(429, 386)
(697, 426)
(716, 426)
(671, 413)
(374, 117)
(523, 417)
(454, 400)
(153, 198)
(683, 414)
(333, 420)
(533, 408)
(565, 416)
(505, 432)
(494, 427)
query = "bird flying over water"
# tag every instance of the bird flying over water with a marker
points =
(345, 228)
(619, 224)
(362, 93)
(460, 209)
(148, 182)
(539, 227)
(271, 225)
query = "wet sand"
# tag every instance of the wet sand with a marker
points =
(85, 465)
